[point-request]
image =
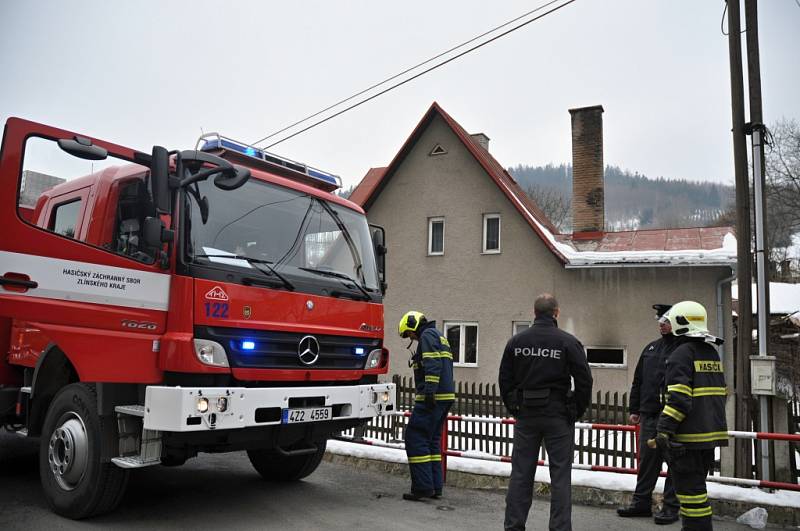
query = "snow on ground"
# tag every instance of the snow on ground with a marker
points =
(583, 478)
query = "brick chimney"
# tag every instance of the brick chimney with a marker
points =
(588, 205)
(481, 139)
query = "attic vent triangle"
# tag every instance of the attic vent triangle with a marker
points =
(438, 150)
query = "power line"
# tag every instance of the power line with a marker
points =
(434, 67)
(407, 70)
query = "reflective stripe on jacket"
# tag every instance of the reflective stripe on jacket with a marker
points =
(433, 365)
(695, 410)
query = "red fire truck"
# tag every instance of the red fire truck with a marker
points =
(157, 305)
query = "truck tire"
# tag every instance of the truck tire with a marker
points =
(76, 483)
(276, 467)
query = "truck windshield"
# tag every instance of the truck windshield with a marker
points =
(298, 235)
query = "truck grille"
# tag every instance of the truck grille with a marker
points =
(279, 350)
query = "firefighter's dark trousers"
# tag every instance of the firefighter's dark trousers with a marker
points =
(650, 462)
(423, 448)
(558, 434)
(689, 471)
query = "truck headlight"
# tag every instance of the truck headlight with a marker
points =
(202, 404)
(381, 398)
(222, 404)
(374, 359)
(210, 353)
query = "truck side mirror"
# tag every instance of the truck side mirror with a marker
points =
(82, 147)
(159, 180)
(155, 235)
(379, 244)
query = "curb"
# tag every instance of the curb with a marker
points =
(591, 496)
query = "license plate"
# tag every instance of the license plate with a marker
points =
(314, 414)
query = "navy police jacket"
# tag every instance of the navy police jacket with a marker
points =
(433, 365)
(540, 362)
(648, 381)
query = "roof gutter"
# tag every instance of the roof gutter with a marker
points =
(623, 265)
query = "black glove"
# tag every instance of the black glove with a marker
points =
(661, 442)
(430, 401)
(512, 403)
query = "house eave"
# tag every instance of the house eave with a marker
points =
(613, 265)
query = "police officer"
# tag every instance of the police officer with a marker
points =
(535, 385)
(692, 423)
(645, 407)
(435, 393)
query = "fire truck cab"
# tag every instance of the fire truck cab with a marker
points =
(157, 305)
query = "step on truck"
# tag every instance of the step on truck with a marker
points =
(155, 305)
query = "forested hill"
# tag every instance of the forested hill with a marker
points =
(633, 200)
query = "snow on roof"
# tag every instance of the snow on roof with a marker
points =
(783, 298)
(673, 247)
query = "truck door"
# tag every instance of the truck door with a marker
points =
(102, 301)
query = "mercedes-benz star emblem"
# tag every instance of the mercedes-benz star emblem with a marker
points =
(308, 350)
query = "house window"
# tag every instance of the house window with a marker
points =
(491, 233)
(435, 236)
(519, 326)
(608, 357)
(463, 339)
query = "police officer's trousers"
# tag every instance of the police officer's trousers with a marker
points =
(558, 434)
(423, 448)
(650, 462)
(689, 471)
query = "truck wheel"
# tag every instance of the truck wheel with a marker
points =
(75, 483)
(275, 467)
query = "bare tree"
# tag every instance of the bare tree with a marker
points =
(783, 172)
(553, 203)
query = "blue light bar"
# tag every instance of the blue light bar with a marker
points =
(248, 345)
(359, 351)
(214, 141)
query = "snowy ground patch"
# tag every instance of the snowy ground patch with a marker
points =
(583, 478)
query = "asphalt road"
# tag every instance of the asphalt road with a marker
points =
(223, 491)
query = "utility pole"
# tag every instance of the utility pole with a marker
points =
(757, 130)
(742, 464)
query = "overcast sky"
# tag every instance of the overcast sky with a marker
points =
(156, 72)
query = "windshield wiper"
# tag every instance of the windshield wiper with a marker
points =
(342, 276)
(255, 262)
(347, 238)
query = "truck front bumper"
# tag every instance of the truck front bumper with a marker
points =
(188, 409)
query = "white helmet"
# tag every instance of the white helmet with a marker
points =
(688, 318)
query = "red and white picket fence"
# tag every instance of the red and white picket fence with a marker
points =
(579, 466)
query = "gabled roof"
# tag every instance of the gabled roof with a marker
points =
(689, 246)
(372, 184)
(367, 185)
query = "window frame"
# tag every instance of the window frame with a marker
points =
(515, 323)
(486, 218)
(63, 201)
(623, 365)
(457, 357)
(431, 221)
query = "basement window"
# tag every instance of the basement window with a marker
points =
(607, 357)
